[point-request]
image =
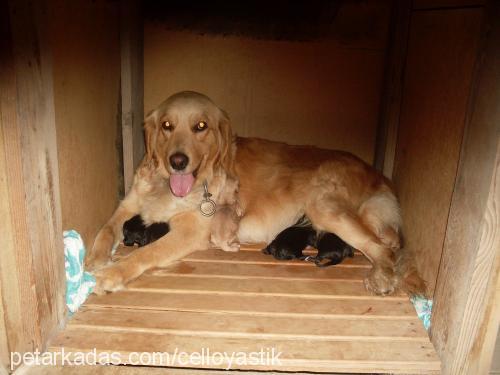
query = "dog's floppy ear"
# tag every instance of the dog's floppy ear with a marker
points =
(150, 136)
(226, 144)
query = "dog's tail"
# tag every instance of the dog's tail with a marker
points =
(408, 277)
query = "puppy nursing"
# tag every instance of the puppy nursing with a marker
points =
(136, 232)
(290, 243)
(191, 152)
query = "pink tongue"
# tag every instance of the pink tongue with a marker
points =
(181, 184)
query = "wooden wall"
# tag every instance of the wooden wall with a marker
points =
(442, 50)
(32, 257)
(466, 313)
(86, 70)
(324, 92)
(446, 171)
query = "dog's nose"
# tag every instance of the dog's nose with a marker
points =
(179, 161)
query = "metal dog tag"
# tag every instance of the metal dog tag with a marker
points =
(207, 205)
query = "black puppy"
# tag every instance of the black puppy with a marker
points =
(136, 232)
(289, 243)
(331, 247)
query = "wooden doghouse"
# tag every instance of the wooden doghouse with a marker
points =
(410, 86)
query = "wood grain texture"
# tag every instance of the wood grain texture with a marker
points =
(86, 55)
(467, 273)
(484, 298)
(495, 364)
(135, 370)
(132, 87)
(299, 355)
(245, 326)
(387, 133)
(262, 271)
(442, 51)
(4, 346)
(322, 319)
(32, 262)
(368, 308)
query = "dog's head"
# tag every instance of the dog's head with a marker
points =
(188, 137)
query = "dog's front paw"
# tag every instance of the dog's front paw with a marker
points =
(108, 279)
(231, 247)
(381, 281)
(95, 261)
(100, 254)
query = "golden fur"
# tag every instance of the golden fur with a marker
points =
(225, 224)
(278, 184)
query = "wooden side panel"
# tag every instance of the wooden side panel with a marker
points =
(387, 134)
(134, 370)
(464, 320)
(132, 87)
(441, 54)
(32, 261)
(86, 49)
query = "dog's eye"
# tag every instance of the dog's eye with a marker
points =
(199, 127)
(167, 125)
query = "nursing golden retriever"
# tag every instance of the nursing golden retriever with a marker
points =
(190, 146)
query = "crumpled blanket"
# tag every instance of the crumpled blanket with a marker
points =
(79, 284)
(423, 307)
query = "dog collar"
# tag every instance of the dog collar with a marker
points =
(207, 205)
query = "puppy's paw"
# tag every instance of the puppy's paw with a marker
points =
(381, 281)
(108, 279)
(231, 247)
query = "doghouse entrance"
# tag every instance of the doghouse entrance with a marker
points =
(409, 86)
(322, 320)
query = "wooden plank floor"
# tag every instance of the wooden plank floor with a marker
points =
(322, 320)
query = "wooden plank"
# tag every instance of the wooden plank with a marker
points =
(4, 346)
(266, 271)
(431, 127)
(297, 355)
(244, 326)
(370, 308)
(250, 254)
(132, 87)
(463, 297)
(482, 297)
(495, 365)
(329, 289)
(256, 257)
(86, 72)
(488, 357)
(322, 325)
(136, 370)
(32, 262)
(387, 133)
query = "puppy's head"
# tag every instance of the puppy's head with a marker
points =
(188, 136)
(133, 231)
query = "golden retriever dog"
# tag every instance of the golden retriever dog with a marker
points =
(191, 151)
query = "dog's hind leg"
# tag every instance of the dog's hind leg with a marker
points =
(329, 215)
(381, 214)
